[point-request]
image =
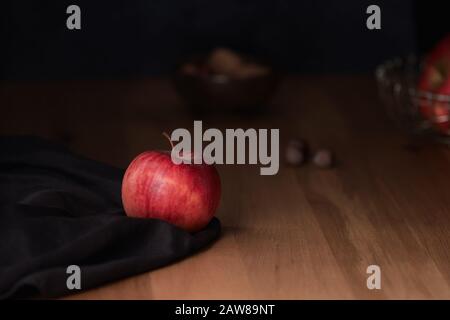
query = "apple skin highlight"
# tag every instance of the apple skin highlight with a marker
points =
(186, 195)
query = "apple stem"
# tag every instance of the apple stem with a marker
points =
(168, 138)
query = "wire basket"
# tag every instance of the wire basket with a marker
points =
(421, 114)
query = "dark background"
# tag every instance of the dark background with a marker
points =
(147, 37)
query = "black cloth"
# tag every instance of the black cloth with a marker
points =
(58, 209)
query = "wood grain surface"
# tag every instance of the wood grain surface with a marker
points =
(305, 233)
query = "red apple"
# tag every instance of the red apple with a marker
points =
(435, 79)
(439, 54)
(186, 195)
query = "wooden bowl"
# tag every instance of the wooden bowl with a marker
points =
(212, 93)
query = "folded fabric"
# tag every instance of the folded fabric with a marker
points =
(58, 209)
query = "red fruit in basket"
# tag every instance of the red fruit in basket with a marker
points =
(432, 78)
(441, 117)
(435, 79)
(441, 108)
(186, 195)
(439, 53)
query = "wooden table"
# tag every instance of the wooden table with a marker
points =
(304, 233)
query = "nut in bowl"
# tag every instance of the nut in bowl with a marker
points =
(225, 81)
